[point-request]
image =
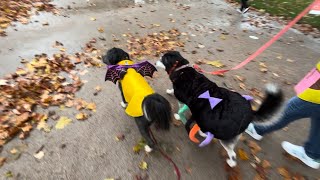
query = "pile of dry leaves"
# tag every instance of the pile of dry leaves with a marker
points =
(153, 44)
(43, 82)
(21, 10)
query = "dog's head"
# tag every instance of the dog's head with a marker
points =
(171, 60)
(114, 56)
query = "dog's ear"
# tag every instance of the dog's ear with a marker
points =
(105, 60)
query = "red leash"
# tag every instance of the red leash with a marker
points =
(265, 46)
(167, 157)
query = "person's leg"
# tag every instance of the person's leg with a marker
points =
(310, 153)
(294, 110)
(312, 146)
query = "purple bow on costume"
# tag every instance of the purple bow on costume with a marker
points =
(212, 100)
(247, 97)
(207, 140)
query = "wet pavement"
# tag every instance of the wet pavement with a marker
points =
(88, 150)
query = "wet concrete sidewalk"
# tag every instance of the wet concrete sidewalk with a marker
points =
(88, 150)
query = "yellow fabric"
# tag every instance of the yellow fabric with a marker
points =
(135, 88)
(311, 95)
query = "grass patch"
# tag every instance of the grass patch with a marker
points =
(288, 9)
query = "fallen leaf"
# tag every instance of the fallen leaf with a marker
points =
(263, 65)
(176, 122)
(136, 149)
(120, 137)
(98, 88)
(222, 37)
(276, 75)
(297, 176)
(217, 64)
(93, 19)
(63, 122)
(39, 155)
(253, 37)
(188, 170)
(242, 86)
(45, 24)
(264, 70)
(82, 116)
(284, 172)
(239, 78)
(2, 161)
(201, 46)
(243, 155)
(143, 165)
(92, 107)
(42, 125)
(101, 29)
(14, 151)
(285, 129)
(3, 82)
(8, 174)
(255, 148)
(266, 164)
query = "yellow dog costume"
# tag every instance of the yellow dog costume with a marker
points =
(135, 88)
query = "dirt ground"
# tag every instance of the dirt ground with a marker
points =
(88, 150)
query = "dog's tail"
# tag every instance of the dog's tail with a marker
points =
(158, 110)
(271, 103)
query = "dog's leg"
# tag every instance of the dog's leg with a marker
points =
(143, 125)
(187, 125)
(123, 102)
(181, 113)
(229, 147)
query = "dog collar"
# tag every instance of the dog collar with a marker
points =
(182, 67)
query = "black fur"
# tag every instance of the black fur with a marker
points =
(114, 56)
(230, 117)
(157, 108)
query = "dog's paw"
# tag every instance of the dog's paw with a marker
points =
(170, 91)
(124, 105)
(202, 134)
(177, 116)
(232, 163)
(147, 148)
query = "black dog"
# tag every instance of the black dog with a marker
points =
(230, 117)
(138, 97)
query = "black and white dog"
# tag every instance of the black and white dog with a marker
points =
(224, 113)
(138, 97)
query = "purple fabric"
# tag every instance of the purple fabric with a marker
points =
(213, 101)
(247, 97)
(207, 140)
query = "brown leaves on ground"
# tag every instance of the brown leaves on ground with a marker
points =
(284, 172)
(153, 44)
(287, 175)
(254, 147)
(232, 173)
(17, 10)
(243, 155)
(42, 82)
